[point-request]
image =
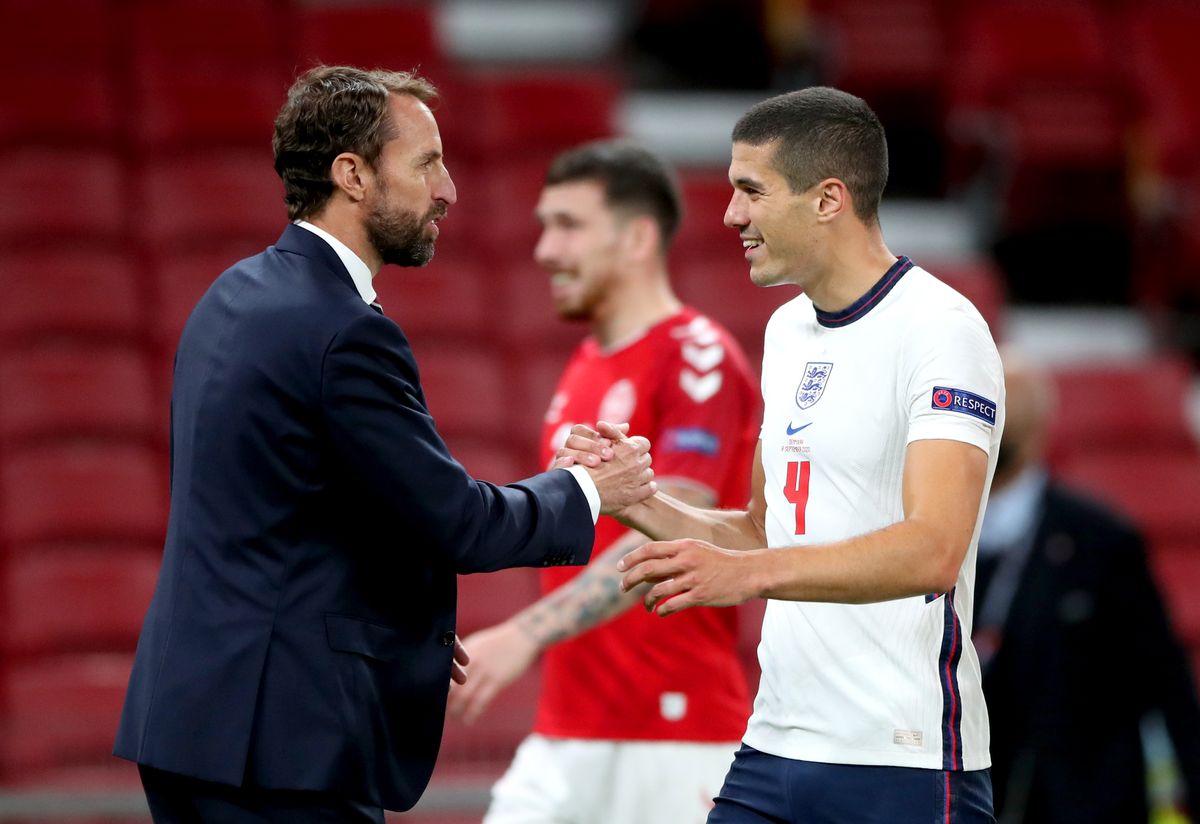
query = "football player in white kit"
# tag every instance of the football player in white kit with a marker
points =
(884, 401)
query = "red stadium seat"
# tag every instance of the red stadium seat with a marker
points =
(83, 198)
(721, 287)
(449, 298)
(62, 711)
(1122, 408)
(508, 193)
(503, 114)
(79, 33)
(500, 461)
(207, 73)
(703, 231)
(1159, 43)
(525, 315)
(180, 279)
(1032, 85)
(864, 58)
(55, 292)
(64, 106)
(1177, 571)
(76, 598)
(212, 198)
(64, 390)
(1159, 490)
(464, 388)
(487, 599)
(84, 491)
(399, 37)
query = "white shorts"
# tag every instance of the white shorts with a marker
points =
(585, 781)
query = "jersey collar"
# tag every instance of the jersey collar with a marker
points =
(863, 305)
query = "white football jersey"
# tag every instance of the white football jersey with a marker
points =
(894, 683)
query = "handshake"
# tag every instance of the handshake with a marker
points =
(618, 465)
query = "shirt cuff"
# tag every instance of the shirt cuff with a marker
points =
(584, 479)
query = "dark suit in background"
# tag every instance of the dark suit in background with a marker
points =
(1083, 652)
(302, 631)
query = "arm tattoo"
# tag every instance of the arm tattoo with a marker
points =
(592, 597)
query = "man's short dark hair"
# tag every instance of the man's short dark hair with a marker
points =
(330, 110)
(635, 180)
(822, 133)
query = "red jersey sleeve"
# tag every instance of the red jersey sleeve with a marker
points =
(707, 413)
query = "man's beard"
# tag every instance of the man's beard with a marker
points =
(399, 237)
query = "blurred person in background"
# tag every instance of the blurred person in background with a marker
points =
(637, 720)
(882, 391)
(1073, 639)
(295, 660)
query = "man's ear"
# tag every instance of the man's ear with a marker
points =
(350, 173)
(641, 237)
(833, 198)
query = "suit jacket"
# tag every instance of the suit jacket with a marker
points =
(301, 634)
(1086, 651)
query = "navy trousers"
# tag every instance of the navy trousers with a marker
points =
(767, 789)
(178, 799)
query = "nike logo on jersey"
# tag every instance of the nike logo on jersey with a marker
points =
(792, 430)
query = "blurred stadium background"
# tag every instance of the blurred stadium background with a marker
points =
(1044, 163)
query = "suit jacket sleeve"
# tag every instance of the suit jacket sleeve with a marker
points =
(385, 439)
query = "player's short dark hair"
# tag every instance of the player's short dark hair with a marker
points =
(822, 133)
(635, 180)
(330, 110)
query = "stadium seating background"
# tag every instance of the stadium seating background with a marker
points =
(135, 165)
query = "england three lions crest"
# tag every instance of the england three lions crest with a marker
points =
(812, 385)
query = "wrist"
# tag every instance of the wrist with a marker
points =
(529, 631)
(758, 572)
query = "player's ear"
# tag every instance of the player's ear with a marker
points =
(642, 237)
(832, 199)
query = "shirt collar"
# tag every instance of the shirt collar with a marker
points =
(360, 273)
(867, 302)
(1012, 512)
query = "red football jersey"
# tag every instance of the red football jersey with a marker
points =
(685, 385)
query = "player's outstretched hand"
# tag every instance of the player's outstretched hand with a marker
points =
(499, 655)
(458, 667)
(587, 446)
(688, 573)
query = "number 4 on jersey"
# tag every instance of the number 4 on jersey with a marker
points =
(795, 489)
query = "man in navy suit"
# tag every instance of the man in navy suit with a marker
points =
(1074, 639)
(295, 661)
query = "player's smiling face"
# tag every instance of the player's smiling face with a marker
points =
(579, 246)
(774, 223)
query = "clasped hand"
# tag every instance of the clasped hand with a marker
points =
(619, 466)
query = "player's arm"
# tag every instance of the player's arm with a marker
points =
(500, 654)
(665, 517)
(942, 487)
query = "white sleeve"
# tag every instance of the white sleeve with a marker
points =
(589, 488)
(955, 381)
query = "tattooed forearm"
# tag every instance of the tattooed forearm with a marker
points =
(591, 598)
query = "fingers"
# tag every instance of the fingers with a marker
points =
(585, 446)
(460, 652)
(475, 701)
(458, 673)
(613, 431)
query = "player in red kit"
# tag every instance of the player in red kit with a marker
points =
(638, 719)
